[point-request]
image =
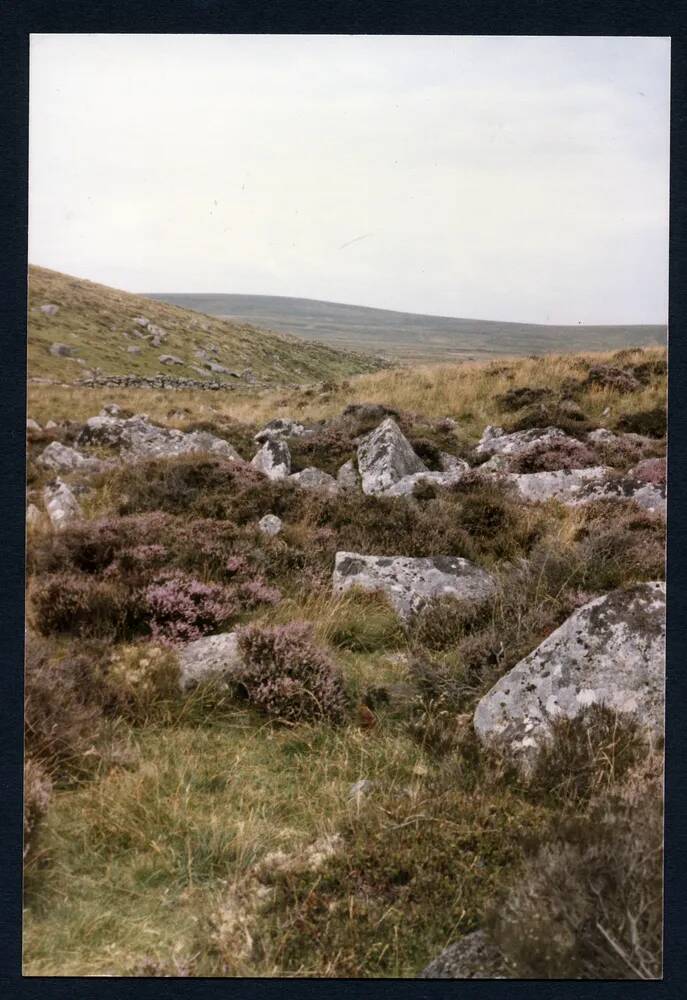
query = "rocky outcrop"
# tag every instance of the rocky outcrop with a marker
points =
(213, 658)
(473, 957)
(385, 457)
(61, 505)
(410, 583)
(138, 438)
(611, 651)
(274, 459)
(495, 441)
(270, 524)
(314, 479)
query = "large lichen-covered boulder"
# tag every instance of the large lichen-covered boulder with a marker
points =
(138, 438)
(212, 658)
(410, 583)
(611, 651)
(575, 487)
(472, 957)
(274, 459)
(385, 456)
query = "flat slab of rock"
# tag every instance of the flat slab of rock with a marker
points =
(314, 479)
(61, 505)
(566, 485)
(611, 651)
(409, 583)
(138, 438)
(274, 459)
(405, 486)
(385, 456)
(213, 657)
(473, 957)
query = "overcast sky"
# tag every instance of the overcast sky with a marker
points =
(497, 178)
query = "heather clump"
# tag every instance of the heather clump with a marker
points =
(182, 608)
(287, 676)
(616, 543)
(544, 457)
(652, 422)
(78, 604)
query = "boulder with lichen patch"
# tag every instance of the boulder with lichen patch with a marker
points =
(611, 651)
(314, 479)
(385, 456)
(409, 582)
(214, 658)
(274, 459)
(138, 438)
(61, 505)
(472, 957)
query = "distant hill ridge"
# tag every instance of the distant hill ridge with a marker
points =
(410, 336)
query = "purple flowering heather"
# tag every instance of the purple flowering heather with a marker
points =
(183, 609)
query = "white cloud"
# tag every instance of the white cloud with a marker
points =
(504, 178)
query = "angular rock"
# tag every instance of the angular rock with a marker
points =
(270, 524)
(385, 457)
(410, 582)
(281, 427)
(61, 505)
(473, 957)
(611, 651)
(170, 359)
(274, 459)
(214, 657)
(49, 309)
(347, 476)
(314, 479)
(650, 496)
(406, 486)
(137, 438)
(451, 463)
(133, 349)
(33, 425)
(61, 458)
(140, 321)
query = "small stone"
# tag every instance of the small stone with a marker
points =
(270, 524)
(49, 309)
(33, 425)
(62, 351)
(360, 789)
(61, 505)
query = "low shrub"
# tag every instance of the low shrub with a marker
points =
(572, 420)
(588, 904)
(62, 731)
(650, 470)
(37, 794)
(609, 377)
(142, 682)
(652, 423)
(586, 755)
(517, 399)
(76, 604)
(618, 543)
(544, 457)
(287, 676)
(327, 449)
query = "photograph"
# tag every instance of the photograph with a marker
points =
(346, 429)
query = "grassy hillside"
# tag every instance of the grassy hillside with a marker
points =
(96, 322)
(410, 335)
